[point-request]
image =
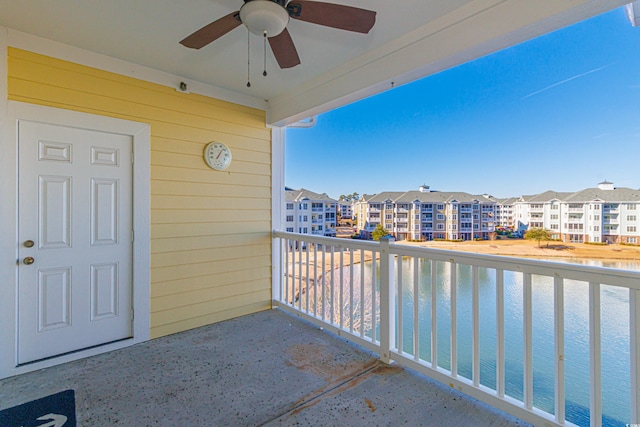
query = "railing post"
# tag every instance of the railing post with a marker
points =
(634, 320)
(387, 300)
(277, 247)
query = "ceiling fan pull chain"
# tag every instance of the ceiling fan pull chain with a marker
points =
(248, 59)
(264, 48)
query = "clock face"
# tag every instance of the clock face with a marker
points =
(217, 155)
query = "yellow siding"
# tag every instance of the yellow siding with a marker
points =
(210, 231)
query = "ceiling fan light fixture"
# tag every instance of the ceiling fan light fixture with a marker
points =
(264, 16)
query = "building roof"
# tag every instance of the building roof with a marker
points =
(505, 200)
(548, 196)
(616, 195)
(424, 197)
(292, 195)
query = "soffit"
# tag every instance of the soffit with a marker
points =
(410, 39)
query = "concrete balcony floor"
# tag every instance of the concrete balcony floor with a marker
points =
(267, 368)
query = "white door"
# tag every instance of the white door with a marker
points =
(74, 231)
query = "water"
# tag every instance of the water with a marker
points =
(615, 334)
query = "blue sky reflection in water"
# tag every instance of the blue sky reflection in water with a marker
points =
(559, 112)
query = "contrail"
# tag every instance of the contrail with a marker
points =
(577, 76)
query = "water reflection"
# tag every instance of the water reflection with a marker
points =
(615, 333)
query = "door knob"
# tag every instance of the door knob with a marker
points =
(28, 260)
(28, 244)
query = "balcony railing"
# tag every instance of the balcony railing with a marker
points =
(364, 291)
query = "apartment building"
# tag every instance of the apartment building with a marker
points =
(307, 212)
(504, 212)
(538, 211)
(346, 210)
(426, 215)
(601, 214)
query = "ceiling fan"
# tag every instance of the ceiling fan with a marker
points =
(269, 18)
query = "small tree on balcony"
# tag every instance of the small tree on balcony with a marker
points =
(379, 232)
(538, 234)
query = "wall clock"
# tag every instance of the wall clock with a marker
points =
(217, 155)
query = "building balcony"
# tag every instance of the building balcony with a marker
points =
(377, 310)
(268, 369)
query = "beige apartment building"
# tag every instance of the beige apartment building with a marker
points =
(426, 215)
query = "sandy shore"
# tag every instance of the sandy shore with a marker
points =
(530, 249)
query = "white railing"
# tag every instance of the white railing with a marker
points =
(366, 291)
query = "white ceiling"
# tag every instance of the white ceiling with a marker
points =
(411, 38)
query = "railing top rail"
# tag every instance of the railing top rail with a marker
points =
(602, 275)
(330, 241)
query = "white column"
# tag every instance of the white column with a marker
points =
(277, 206)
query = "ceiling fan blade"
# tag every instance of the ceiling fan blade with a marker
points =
(213, 31)
(284, 50)
(333, 15)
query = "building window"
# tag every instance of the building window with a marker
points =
(631, 229)
(439, 226)
(388, 216)
(555, 207)
(289, 229)
(290, 218)
(290, 206)
(554, 226)
(631, 217)
(596, 228)
(554, 216)
(440, 207)
(440, 217)
(632, 240)
(631, 206)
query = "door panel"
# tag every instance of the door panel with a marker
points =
(75, 201)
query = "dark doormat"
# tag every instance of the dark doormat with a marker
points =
(56, 410)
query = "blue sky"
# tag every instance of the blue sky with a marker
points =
(560, 112)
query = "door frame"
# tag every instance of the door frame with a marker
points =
(140, 134)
